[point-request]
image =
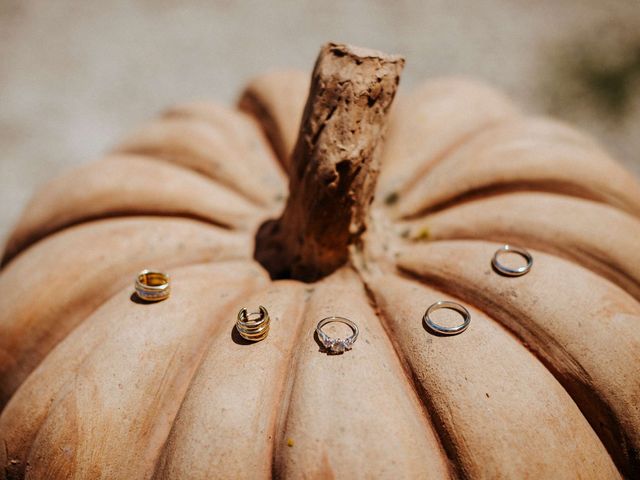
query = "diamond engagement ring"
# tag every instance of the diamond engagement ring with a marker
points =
(337, 345)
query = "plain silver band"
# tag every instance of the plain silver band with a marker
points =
(512, 272)
(451, 306)
(346, 321)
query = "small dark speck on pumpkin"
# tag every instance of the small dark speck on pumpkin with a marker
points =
(392, 198)
(487, 395)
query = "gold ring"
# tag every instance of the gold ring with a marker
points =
(253, 326)
(152, 286)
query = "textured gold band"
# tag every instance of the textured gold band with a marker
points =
(152, 286)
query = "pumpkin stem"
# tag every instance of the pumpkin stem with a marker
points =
(335, 164)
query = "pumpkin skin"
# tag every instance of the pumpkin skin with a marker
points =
(544, 384)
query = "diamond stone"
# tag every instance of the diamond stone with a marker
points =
(339, 346)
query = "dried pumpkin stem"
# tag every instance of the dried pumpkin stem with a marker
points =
(335, 164)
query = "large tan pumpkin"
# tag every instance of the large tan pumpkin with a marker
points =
(544, 384)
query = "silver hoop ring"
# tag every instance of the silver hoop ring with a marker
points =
(337, 345)
(512, 272)
(152, 286)
(466, 318)
(253, 326)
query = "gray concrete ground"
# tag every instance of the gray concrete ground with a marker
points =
(76, 75)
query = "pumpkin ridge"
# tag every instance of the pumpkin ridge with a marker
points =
(120, 188)
(252, 105)
(575, 229)
(57, 400)
(175, 151)
(4, 400)
(249, 283)
(550, 186)
(428, 120)
(287, 385)
(470, 467)
(160, 457)
(593, 408)
(526, 151)
(276, 102)
(599, 265)
(428, 166)
(209, 113)
(20, 467)
(213, 387)
(430, 416)
(593, 402)
(80, 324)
(447, 443)
(11, 255)
(326, 387)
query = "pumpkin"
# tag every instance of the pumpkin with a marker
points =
(338, 206)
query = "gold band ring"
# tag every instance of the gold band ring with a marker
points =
(253, 326)
(152, 286)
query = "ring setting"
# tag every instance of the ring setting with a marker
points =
(152, 286)
(337, 345)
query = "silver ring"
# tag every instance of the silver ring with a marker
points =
(152, 286)
(466, 316)
(337, 345)
(512, 272)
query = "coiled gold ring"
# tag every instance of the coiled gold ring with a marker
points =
(253, 326)
(152, 286)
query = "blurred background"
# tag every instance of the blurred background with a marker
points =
(76, 75)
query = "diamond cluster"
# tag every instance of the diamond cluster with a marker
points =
(337, 345)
